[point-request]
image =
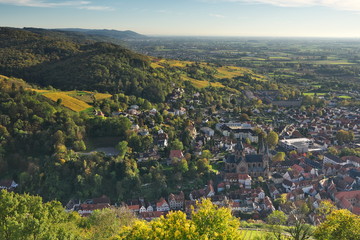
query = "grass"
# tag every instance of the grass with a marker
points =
(203, 83)
(68, 101)
(344, 97)
(77, 101)
(253, 234)
(312, 94)
(87, 96)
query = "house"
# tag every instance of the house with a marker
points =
(288, 185)
(349, 200)
(207, 131)
(243, 179)
(86, 209)
(162, 140)
(176, 201)
(277, 178)
(162, 205)
(221, 187)
(301, 145)
(351, 160)
(153, 111)
(274, 192)
(331, 159)
(175, 155)
(135, 107)
(148, 216)
(134, 208)
(207, 192)
(191, 130)
(9, 185)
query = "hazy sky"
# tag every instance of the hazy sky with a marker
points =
(319, 18)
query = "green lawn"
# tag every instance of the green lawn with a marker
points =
(312, 94)
(253, 234)
(344, 97)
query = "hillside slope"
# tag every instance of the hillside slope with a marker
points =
(47, 59)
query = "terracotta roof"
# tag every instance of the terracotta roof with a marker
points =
(177, 197)
(161, 202)
(344, 203)
(134, 207)
(356, 210)
(347, 194)
(297, 168)
(151, 215)
(351, 158)
(176, 154)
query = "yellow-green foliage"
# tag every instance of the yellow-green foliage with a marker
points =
(7, 82)
(74, 100)
(231, 72)
(202, 83)
(68, 101)
(208, 222)
(340, 224)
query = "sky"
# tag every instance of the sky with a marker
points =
(275, 18)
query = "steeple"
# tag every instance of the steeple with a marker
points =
(261, 146)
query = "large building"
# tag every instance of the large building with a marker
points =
(255, 165)
(301, 145)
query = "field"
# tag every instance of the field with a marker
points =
(87, 96)
(68, 101)
(253, 234)
(312, 94)
(202, 83)
(75, 100)
(221, 72)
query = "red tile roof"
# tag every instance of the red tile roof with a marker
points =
(176, 154)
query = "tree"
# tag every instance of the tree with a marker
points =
(181, 166)
(27, 217)
(272, 139)
(214, 222)
(279, 156)
(344, 136)
(325, 208)
(207, 222)
(340, 224)
(122, 147)
(276, 218)
(333, 150)
(177, 145)
(106, 223)
(300, 231)
(244, 117)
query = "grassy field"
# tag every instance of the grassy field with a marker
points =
(344, 97)
(75, 100)
(202, 83)
(253, 234)
(87, 96)
(312, 94)
(68, 101)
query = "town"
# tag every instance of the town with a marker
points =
(305, 159)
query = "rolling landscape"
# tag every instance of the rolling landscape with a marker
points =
(120, 134)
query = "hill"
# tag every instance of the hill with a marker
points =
(48, 57)
(107, 33)
(72, 60)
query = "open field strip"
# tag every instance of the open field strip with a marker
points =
(68, 101)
